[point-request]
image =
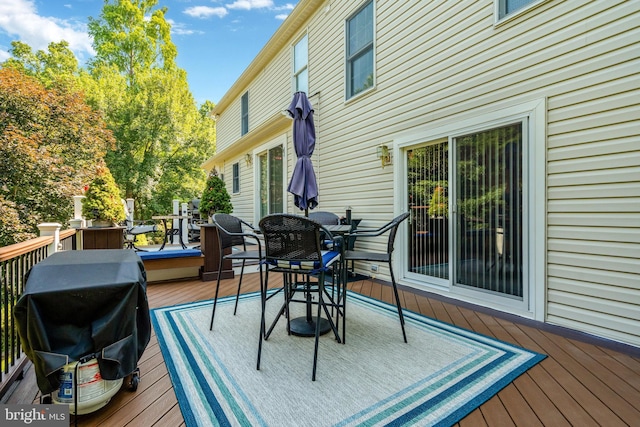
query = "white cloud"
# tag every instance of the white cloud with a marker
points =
(282, 16)
(180, 29)
(287, 6)
(20, 19)
(250, 4)
(4, 55)
(205, 11)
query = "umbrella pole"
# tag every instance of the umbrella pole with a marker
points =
(306, 212)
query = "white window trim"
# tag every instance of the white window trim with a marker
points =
(235, 165)
(348, 99)
(294, 72)
(242, 113)
(280, 140)
(535, 112)
(497, 20)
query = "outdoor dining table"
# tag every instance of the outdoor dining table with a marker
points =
(304, 326)
(171, 231)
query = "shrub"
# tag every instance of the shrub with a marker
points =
(215, 197)
(102, 200)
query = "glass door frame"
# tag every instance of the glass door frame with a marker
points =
(257, 153)
(533, 304)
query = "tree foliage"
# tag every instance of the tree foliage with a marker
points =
(102, 200)
(55, 67)
(154, 140)
(162, 137)
(50, 143)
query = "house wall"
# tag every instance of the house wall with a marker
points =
(448, 62)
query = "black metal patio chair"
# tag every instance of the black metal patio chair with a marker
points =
(355, 255)
(233, 233)
(293, 247)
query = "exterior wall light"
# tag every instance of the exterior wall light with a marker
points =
(383, 153)
(248, 158)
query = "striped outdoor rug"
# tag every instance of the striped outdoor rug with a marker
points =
(441, 375)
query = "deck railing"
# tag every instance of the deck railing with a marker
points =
(15, 261)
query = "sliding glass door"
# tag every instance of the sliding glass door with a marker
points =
(467, 211)
(271, 174)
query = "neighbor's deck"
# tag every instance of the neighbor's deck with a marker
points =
(579, 383)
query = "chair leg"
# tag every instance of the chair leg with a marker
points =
(317, 336)
(343, 280)
(287, 298)
(239, 285)
(397, 297)
(263, 302)
(215, 298)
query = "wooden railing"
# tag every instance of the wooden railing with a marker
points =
(15, 261)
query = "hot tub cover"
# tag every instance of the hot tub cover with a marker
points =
(81, 303)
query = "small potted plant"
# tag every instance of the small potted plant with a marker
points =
(215, 197)
(102, 203)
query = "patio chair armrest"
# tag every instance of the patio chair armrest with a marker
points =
(140, 226)
(250, 226)
(367, 232)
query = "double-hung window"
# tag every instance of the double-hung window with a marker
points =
(236, 178)
(300, 65)
(360, 74)
(244, 114)
(507, 7)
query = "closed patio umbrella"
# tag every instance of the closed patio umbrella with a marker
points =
(303, 184)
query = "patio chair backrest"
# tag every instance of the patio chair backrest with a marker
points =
(229, 230)
(291, 238)
(324, 217)
(393, 226)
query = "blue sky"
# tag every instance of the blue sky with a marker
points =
(216, 39)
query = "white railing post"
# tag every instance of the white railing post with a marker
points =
(130, 206)
(185, 223)
(51, 229)
(77, 221)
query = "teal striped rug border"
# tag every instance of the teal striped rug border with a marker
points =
(446, 396)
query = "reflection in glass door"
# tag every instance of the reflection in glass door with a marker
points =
(271, 184)
(489, 218)
(486, 220)
(428, 202)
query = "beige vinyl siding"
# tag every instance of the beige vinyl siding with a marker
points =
(228, 126)
(440, 63)
(594, 207)
(588, 71)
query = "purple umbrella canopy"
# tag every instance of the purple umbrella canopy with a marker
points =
(303, 184)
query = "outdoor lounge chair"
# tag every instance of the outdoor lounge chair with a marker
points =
(355, 255)
(136, 228)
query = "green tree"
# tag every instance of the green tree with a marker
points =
(102, 200)
(55, 67)
(50, 142)
(162, 137)
(215, 197)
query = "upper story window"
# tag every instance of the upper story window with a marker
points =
(300, 61)
(245, 113)
(507, 7)
(236, 178)
(360, 50)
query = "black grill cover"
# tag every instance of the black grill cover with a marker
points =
(82, 303)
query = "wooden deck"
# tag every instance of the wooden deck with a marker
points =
(580, 383)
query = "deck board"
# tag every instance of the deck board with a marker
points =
(579, 383)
